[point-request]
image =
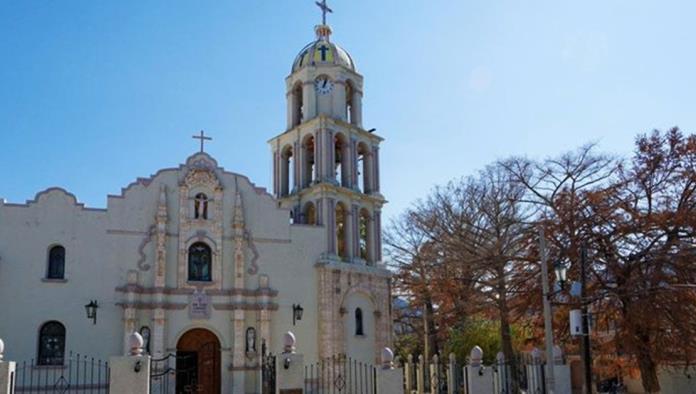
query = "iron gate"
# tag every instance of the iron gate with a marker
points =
(77, 374)
(166, 371)
(340, 374)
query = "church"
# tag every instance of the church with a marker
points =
(202, 261)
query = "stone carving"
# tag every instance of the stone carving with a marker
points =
(253, 266)
(141, 248)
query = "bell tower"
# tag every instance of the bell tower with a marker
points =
(325, 164)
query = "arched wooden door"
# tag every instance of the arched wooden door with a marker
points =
(198, 362)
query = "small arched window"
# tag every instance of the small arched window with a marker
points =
(51, 343)
(200, 262)
(56, 263)
(359, 330)
(200, 206)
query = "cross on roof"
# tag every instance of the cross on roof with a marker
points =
(203, 138)
(324, 9)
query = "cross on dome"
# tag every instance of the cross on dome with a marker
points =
(324, 10)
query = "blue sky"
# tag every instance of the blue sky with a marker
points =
(95, 94)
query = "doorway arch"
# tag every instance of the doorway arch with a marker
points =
(198, 362)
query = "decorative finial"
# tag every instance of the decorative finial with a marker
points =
(203, 138)
(289, 342)
(387, 358)
(324, 10)
(135, 341)
(2, 349)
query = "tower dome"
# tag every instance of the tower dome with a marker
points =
(322, 52)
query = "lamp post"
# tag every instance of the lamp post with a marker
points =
(548, 324)
(586, 349)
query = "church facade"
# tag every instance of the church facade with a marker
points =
(196, 256)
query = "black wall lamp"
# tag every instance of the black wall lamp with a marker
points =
(91, 310)
(296, 313)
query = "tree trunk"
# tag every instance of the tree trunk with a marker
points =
(648, 370)
(506, 342)
(429, 345)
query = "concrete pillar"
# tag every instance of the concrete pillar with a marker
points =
(130, 374)
(561, 373)
(390, 380)
(290, 369)
(7, 373)
(480, 378)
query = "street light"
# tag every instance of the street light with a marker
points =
(561, 270)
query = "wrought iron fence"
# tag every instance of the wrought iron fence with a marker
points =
(268, 374)
(78, 374)
(524, 374)
(340, 375)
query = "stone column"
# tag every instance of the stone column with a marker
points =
(331, 225)
(130, 374)
(238, 358)
(128, 327)
(292, 113)
(289, 367)
(390, 380)
(355, 221)
(318, 158)
(377, 230)
(375, 169)
(356, 108)
(350, 238)
(7, 373)
(329, 154)
(158, 340)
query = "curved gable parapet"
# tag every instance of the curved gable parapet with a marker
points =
(55, 192)
(140, 181)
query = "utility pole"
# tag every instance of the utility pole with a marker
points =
(548, 322)
(586, 350)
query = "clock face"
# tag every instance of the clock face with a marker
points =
(323, 85)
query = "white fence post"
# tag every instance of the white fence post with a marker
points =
(420, 375)
(451, 374)
(435, 375)
(390, 380)
(130, 374)
(408, 372)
